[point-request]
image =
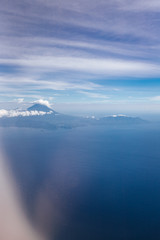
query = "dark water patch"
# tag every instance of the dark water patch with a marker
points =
(103, 183)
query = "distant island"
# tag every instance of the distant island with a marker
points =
(41, 116)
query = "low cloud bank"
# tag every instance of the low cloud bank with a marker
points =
(16, 113)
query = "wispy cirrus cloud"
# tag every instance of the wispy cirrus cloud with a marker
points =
(155, 98)
(94, 95)
(77, 46)
(107, 67)
(141, 5)
(28, 83)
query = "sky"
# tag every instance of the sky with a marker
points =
(81, 55)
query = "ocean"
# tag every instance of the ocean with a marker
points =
(98, 182)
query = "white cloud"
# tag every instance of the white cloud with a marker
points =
(113, 38)
(156, 98)
(104, 66)
(43, 102)
(118, 115)
(31, 83)
(94, 95)
(44, 46)
(15, 113)
(20, 100)
(141, 5)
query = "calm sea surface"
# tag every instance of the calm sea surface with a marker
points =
(101, 183)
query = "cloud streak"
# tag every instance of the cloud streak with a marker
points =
(156, 98)
(15, 113)
(94, 95)
(77, 46)
(107, 67)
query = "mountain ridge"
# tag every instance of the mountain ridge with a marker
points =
(40, 107)
(41, 116)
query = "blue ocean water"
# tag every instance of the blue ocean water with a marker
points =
(102, 183)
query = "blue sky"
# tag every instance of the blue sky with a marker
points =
(90, 53)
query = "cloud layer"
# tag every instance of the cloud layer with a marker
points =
(16, 113)
(50, 48)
